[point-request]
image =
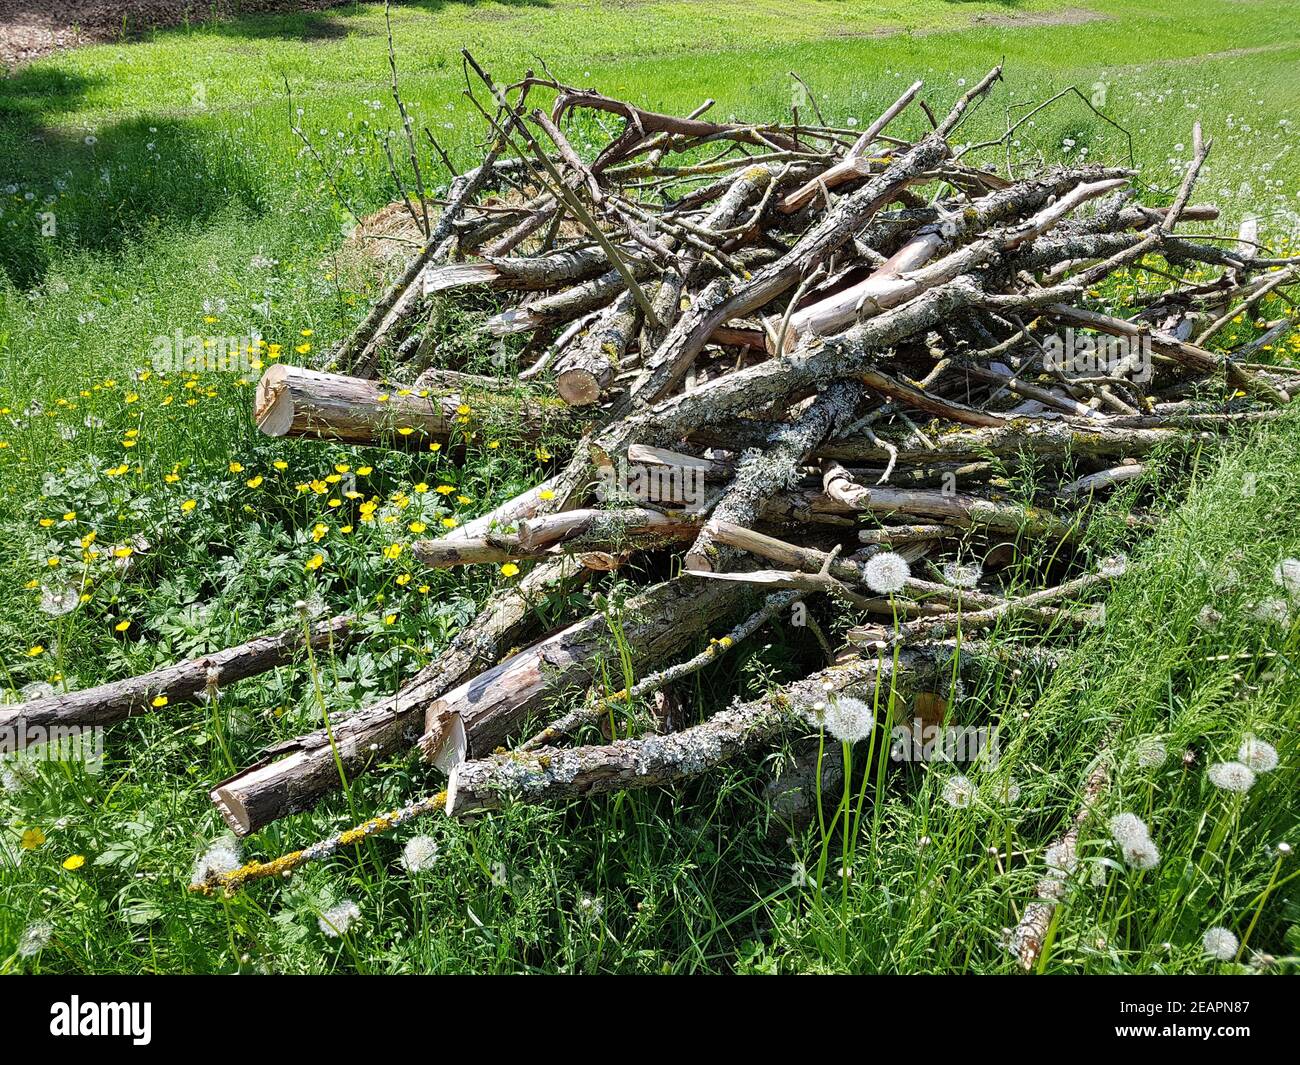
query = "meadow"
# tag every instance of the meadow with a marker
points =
(155, 189)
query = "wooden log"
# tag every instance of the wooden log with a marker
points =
(950, 508)
(182, 682)
(759, 476)
(295, 775)
(574, 532)
(294, 401)
(475, 717)
(555, 774)
(584, 371)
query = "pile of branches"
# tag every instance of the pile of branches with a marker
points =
(799, 358)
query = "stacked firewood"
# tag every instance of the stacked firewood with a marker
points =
(799, 357)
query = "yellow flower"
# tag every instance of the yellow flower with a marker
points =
(35, 651)
(121, 626)
(404, 579)
(393, 551)
(509, 569)
(254, 482)
(74, 862)
(417, 527)
(435, 446)
(45, 523)
(463, 500)
(405, 430)
(122, 552)
(365, 471)
(280, 464)
(389, 618)
(307, 332)
(342, 467)
(159, 701)
(32, 839)
(314, 563)
(172, 478)
(462, 410)
(302, 348)
(318, 531)
(494, 444)
(51, 561)
(188, 505)
(445, 489)
(236, 467)
(70, 516)
(131, 397)
(545, 493)
(449, 523)
(421, 488)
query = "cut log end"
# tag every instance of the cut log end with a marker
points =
(578, 387)
(273, 404)
(232, 810)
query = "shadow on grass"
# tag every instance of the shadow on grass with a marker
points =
(64, 191)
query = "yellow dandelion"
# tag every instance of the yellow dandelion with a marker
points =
(509, 570)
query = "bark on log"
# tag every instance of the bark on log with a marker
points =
(556, 774)
(182, 682)
(474, 718)
(293, 401)
(296, 774)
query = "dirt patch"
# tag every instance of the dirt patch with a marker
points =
(30, 29)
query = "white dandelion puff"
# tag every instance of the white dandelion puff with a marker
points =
(1114, 566)
(1232, 776)
(59, 601)
(1286, 574)
(420, 854)
(959, 792)
(221, 857)
(1208, 618)
(1220, 943)
(850, 720)
(1128, 828)
(35, 938)
(887, 573)
(336, 921)
(1152, 753)
(1272, 612)
(963, 574)
(1257, 755)
(1008, 793)
(1140, 853)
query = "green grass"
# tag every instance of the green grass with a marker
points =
(178, 213)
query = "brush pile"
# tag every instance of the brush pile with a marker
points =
(801, 361)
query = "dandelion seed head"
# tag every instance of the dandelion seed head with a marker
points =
(1208, 618)
(1232, 776)
(1061, 858)
(1152, 753)
(1140, 853)
(1114, 566)
(419, 854)
(35, 938)
(1128, 828)
(1286, 574)
(850, 720)
(336, 921)
(959, 792)
(887, 573)
(1257, 755)
(963, 574)
(222, 856)
(1220, 943)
